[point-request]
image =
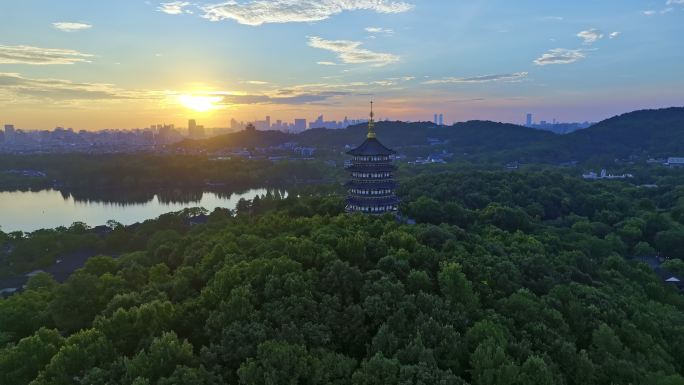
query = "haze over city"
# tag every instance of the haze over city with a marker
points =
(126, 64)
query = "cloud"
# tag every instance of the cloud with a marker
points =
(22, 54)
(590, 36)
(71, 27)
(291, 99)
(669, 7)
(174, 7)
(480, 79)
(466, 100)
(258, 12)
(257, 82)
(17, 88)
(386, 31)
(560, 56)
(551, 18)
(326, 63)
(292, 96)
(61, 90)
(350, 52)
(613, 35)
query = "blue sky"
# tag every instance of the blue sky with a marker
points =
(128, 63)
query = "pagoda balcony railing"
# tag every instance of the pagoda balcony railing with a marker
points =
(372, 181)
(377, 167)
(372, 176)
(371, 210)
(380, 195)
(372, 184)
(373, 191)
(377, 201)
(371, 164)
(371, 159)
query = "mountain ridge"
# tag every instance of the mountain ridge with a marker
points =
(654, 132)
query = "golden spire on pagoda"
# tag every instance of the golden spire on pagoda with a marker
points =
(371, 124)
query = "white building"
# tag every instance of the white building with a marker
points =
(604, 175)
(675, 162)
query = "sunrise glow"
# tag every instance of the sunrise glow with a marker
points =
(199, 103)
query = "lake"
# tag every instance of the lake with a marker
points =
(32, 210)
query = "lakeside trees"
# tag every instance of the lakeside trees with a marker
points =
(137, 174)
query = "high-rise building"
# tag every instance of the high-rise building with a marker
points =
(9, 132)
(318, 123)
(195, 131)
(299, 125)
(163, 133)
(435, 120)
(441, 119)
(268, 122)
(528, 122)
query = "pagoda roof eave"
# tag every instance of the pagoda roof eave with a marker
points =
(371, 147)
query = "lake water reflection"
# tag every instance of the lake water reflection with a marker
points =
(33, 210)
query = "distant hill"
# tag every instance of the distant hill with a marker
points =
(640, 133)
(241, 139)
(646, 132)
(464, 137)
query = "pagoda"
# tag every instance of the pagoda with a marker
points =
(372, 186)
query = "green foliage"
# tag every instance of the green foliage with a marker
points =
(21, 315)
(535, 372)
(19, 364)
(81, 298)
(492, 366)
(675, 266)
(161, 359)
(283, 363)
(455, 287)
(81, 351)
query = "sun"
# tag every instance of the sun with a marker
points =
(199, 103)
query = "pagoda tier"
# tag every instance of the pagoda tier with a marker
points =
(372, 205)
(372, 187)
(358, 184)
(371, 167)
(371, 149)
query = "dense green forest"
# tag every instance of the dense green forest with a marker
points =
(507, 278)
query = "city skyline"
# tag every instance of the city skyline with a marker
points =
(95, 65)
(301, 124)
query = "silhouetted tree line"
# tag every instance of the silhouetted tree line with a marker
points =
(80, 173)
